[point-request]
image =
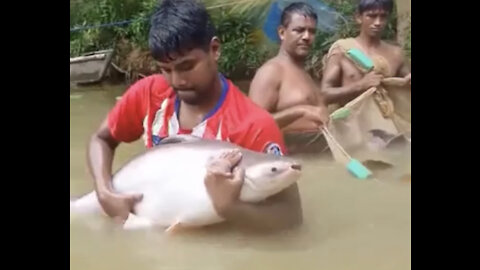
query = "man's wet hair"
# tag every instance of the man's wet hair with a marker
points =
(178, 26)
(297, 8)
(367, 5)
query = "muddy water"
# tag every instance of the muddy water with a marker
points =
(348, 223)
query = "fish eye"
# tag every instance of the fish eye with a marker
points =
(274, 169)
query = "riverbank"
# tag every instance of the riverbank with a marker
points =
(243, 50)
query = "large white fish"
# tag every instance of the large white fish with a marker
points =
(171, 179)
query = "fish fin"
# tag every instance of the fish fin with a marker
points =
(134, 222)
(87, 204)
(174, 228)
(179, 139)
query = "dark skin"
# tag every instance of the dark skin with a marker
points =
(342, 81)
(283, 87)
(194, 77)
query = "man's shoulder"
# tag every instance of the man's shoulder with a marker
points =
(393, 49)
(343, 44)
(338, 48)
(155, 83)
(272, 66)
(267, 78)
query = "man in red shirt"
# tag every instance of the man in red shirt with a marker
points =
(191, 97)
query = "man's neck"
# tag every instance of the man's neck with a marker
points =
(283, 54)
(369, 42)
(208, 103)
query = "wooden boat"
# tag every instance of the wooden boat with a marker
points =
(90, 67)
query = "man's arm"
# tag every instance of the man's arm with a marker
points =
(100, 158)
(123, 124)
(264, 91)
(404, 70)
(281, 211)
(101, 149)
(331, 87)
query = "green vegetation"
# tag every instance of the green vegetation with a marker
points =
(238, 26)
(241, 53)
(96, 12)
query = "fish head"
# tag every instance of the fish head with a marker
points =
(268, 177)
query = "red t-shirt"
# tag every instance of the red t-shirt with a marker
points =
(149, 108)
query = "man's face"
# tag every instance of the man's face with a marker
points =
(298, 36)
(192, 73)
(372, 22)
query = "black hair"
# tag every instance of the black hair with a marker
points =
(298, 8)
(178, 26)
(366, 5)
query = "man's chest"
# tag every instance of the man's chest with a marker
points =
(298, 88)
(162, 121)
(388, 66)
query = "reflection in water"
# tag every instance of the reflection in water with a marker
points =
(348, 223)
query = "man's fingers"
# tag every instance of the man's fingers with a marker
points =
(238, 175)
(225, 161)
(137, 197)
(119, 220)
(234, 156)
(214, 173)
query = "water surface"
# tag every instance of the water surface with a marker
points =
(348, 223)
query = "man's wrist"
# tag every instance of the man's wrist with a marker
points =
(229, 210)
(103, 192)
(359, 87)
(301, 111)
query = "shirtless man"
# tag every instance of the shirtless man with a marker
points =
(283, 87)
(342, 80)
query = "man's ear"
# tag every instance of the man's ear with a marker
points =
(281, 32)
(358, 17)
(215, 48)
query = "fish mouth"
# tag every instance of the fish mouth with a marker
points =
(296, 167)
(293, 169)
